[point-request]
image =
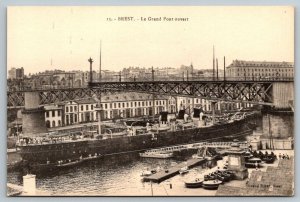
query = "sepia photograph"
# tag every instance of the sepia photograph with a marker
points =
(150, 101)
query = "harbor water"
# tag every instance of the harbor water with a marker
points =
(118, 175)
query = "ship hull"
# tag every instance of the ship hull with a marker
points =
(40, 154)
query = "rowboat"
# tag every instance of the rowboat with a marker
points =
(196, 183)
(211, 184)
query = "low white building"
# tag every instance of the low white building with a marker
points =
(53, 116)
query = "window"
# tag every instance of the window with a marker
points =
(75, 108)
(53, 123)
(123, 104)
(81, 107)
(86, 107)
(71, 108)
(119, 104)
(115, 105)
(92, 107)
(47, 114)
(53, 113)
(58, 113)
(75, 117)
(67, 109)
(105, 106)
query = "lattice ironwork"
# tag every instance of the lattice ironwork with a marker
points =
(257, 92)
(239, 91)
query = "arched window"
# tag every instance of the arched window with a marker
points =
(59, 123)
(53, 123)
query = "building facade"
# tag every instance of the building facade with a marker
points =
(114, 106)
(260, 69)
(16, 73)
(53, 116)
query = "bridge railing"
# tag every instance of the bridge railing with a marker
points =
(12, 88)
(195, 78)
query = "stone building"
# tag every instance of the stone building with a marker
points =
(53, 116)
(260, 69)
(114, 106)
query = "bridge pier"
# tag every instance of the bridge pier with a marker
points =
(277, 129)
(33, 119)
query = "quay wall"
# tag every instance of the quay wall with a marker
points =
(283, 93)
(278, 125)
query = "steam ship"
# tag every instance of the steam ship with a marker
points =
(64, 150)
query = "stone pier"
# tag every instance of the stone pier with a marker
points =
(33, 120)
(277, 130)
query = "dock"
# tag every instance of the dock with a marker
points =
(174, 170)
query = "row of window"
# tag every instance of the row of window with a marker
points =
(117, 105)
(266, 74)
(265, 69)
(52, 113)
(87, 107)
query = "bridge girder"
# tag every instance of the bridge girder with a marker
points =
(230, 91)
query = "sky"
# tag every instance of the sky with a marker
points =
(48, 38)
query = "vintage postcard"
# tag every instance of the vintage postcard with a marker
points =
(150, 101)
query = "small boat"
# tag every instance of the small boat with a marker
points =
(211, 184)
(247, 155)
(160, 155)
(269, 159)
(209, 177)
(90, 157)
(253, 163)
(146, 173)
(69, 163)
(183, 170)
(196, 183)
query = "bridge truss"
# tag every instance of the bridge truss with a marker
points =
(256, 92)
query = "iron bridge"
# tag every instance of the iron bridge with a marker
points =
(255, 92)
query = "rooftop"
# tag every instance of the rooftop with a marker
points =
(244, 63)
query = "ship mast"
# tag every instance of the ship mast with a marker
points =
(213, 62)
(99, 98)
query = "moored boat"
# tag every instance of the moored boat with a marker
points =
(211, 184)
(64, 148)
(160, 155)
(196, 183)
(253, 163)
